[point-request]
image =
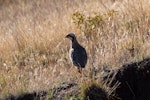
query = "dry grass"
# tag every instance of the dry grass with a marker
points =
(33, 49)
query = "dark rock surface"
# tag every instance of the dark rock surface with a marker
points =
(134, 81)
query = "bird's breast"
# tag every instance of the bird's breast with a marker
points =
(70, 53)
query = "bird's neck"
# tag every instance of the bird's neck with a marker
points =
(74, 43)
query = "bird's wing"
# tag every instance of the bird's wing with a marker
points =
(79, 57)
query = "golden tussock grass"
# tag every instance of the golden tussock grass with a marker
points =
(34, 51)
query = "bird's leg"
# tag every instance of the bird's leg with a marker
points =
(80, 70)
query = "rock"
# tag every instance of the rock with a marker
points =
(134, 81)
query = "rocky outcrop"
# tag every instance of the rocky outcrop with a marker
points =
(134, 81)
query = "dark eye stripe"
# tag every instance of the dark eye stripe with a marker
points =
(71, 36)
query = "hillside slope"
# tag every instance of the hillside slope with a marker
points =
(134, 82)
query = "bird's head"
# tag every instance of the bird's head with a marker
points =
(71, 36)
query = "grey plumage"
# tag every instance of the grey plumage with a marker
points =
(77, 53)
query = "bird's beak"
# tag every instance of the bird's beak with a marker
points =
(66, 36)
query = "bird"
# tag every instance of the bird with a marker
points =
(77, 53)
